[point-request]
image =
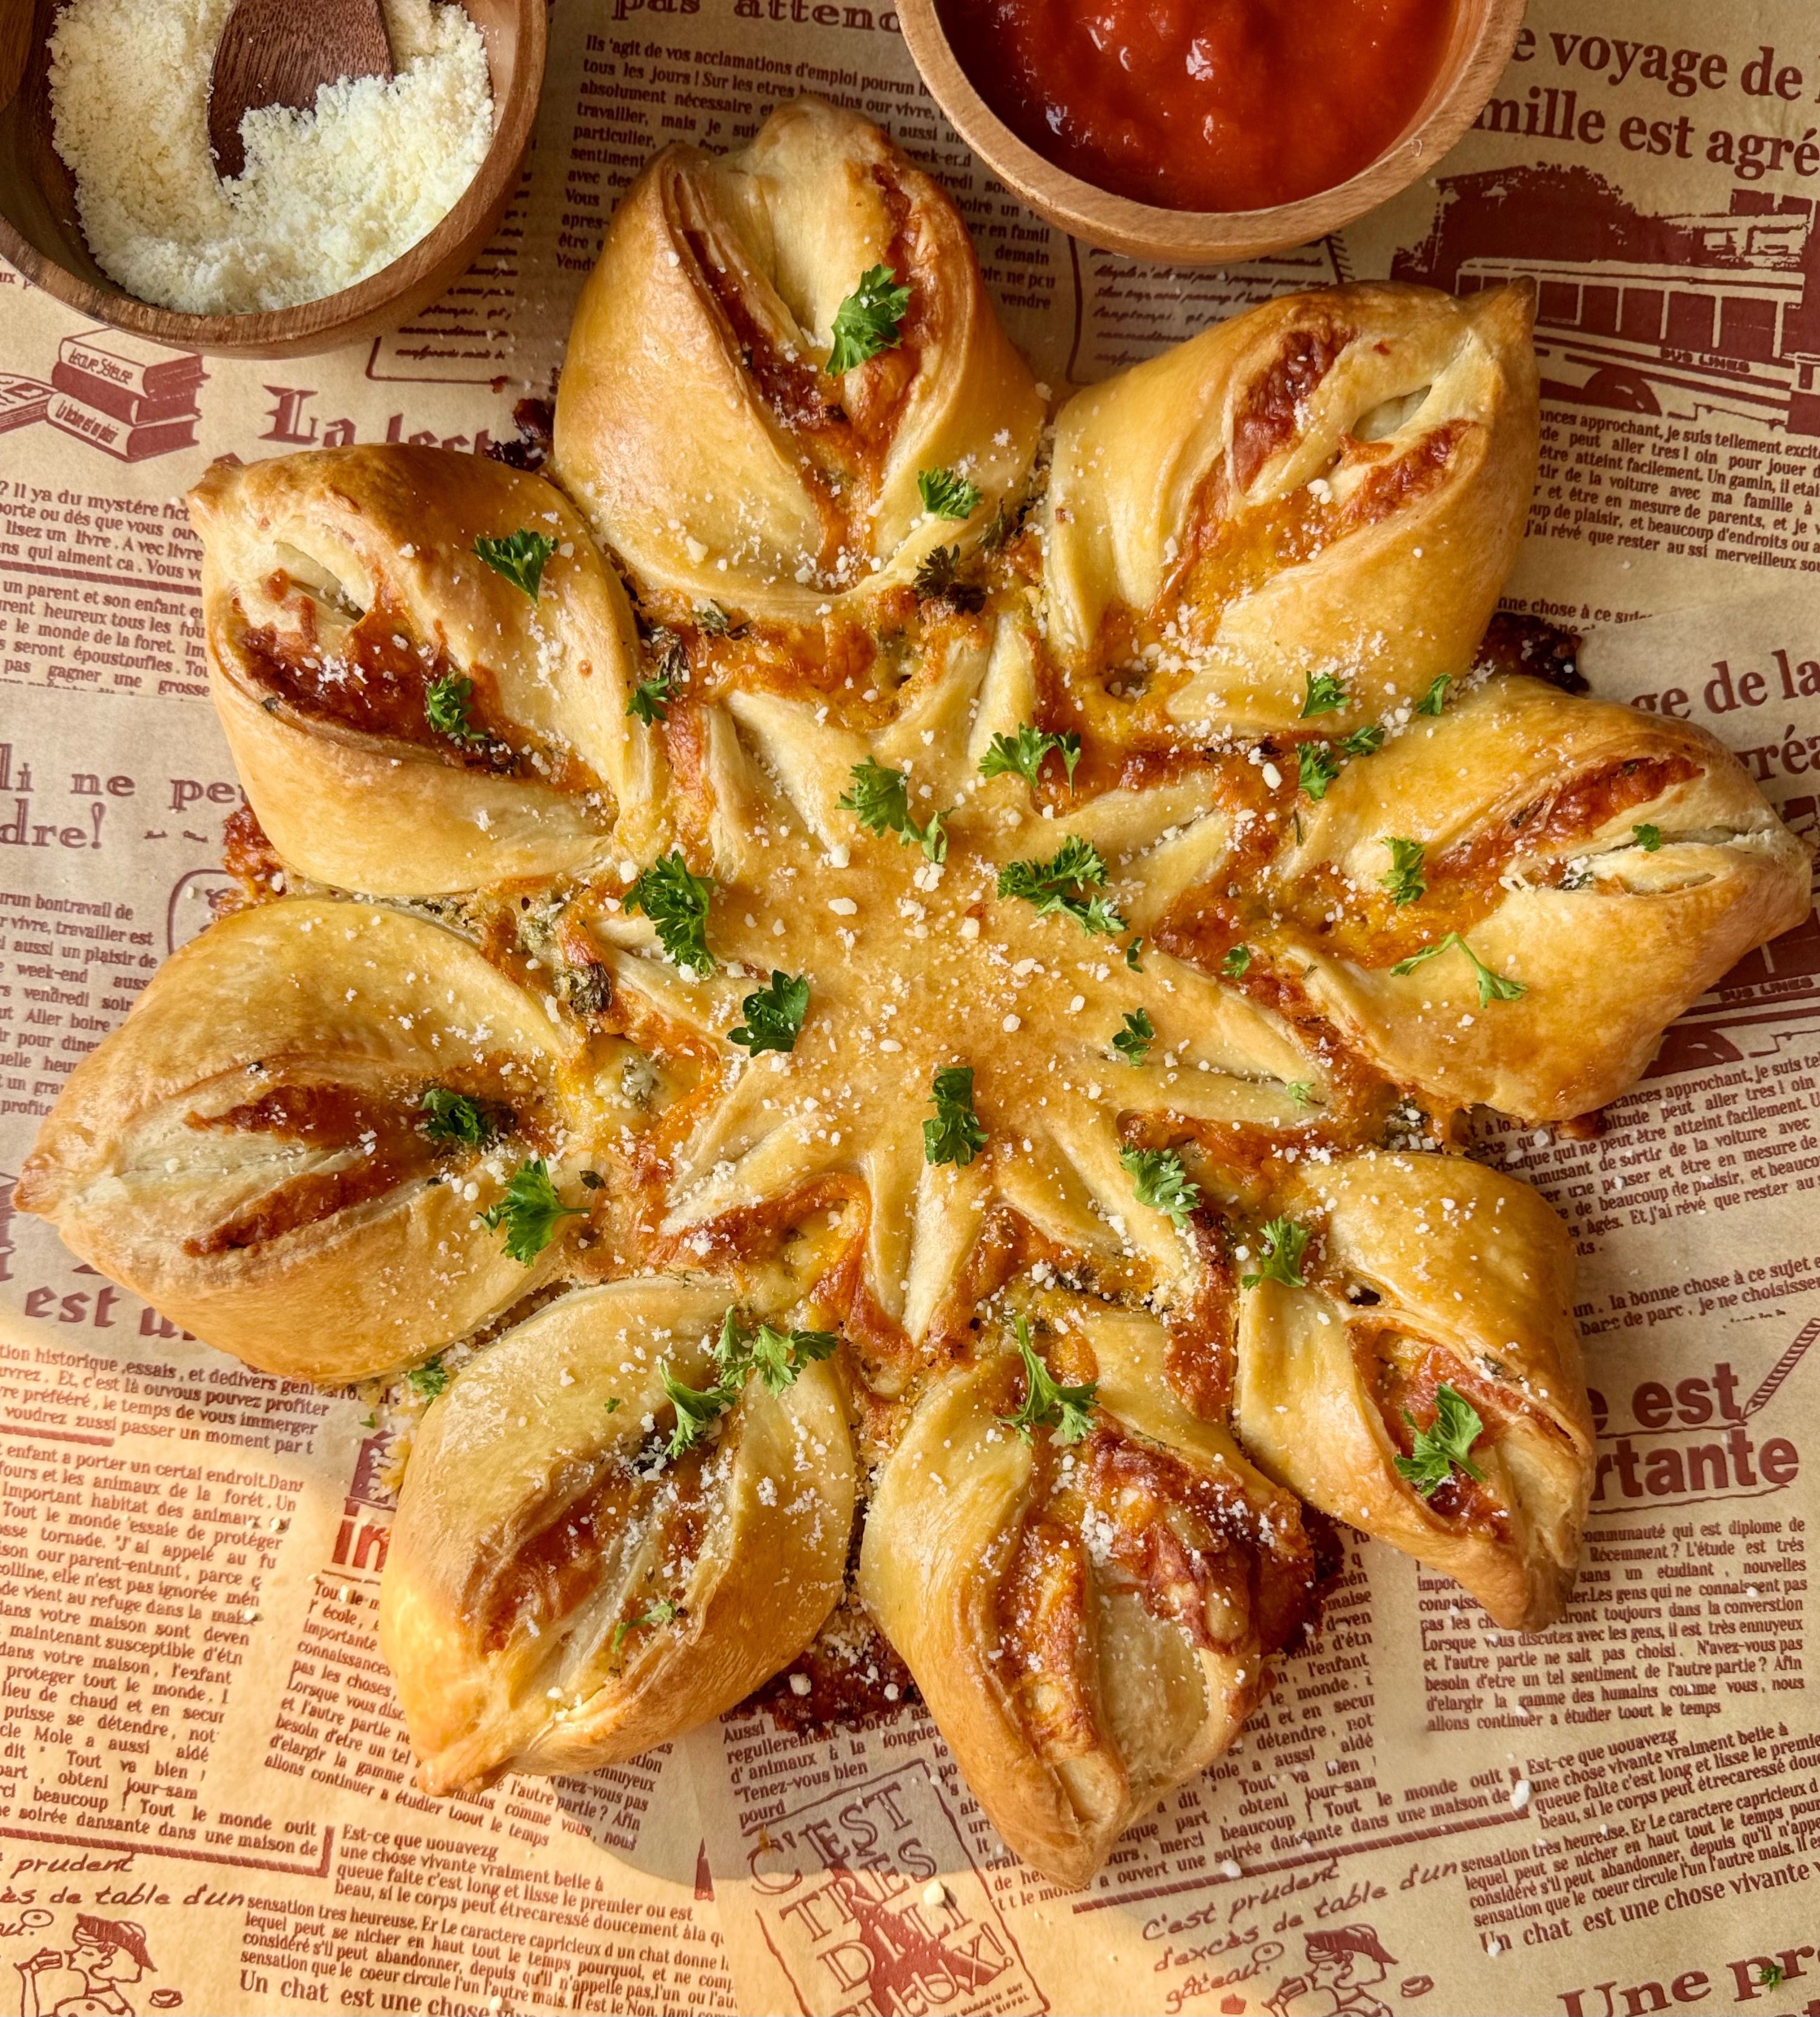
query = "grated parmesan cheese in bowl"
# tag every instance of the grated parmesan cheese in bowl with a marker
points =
(328, 196)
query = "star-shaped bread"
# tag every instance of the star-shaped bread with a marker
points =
(874, 985)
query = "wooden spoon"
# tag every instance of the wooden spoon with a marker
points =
(280, 52)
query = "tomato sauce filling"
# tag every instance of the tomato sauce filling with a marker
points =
(1214, 105)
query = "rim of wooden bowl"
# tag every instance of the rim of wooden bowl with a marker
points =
(370, 306)
(1484, 35)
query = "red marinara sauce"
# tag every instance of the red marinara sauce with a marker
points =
(1203, 104)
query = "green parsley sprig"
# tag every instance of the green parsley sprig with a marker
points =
(1136, 1038)
(1445, 1446)
(878, 798)
(1493, 986)
(520, 557)
(1022, 754)
(528, 1210)
(452, 1117)
(697, 1408)
(1436, 698)
(956, 1134)
(430, 1379)
(1047, 1403)
(650, 700)
(445, 705)
(1237, 959)
(1325, 694)
(1062, 884)
(773, 1014)
(1363, 741)
(1405, 881)
(1316, 766)
(947, 494)
(1647, 837)
(776, 1356)
(1159, 1180)
(1283, 1242)
(676, 900)
(868, 320)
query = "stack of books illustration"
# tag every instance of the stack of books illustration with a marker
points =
(131, 397)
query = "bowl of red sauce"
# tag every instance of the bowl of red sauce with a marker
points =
(1204, 131)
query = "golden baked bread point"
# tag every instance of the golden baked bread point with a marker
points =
(1611, 863)
(406, 719)
(560, 1591)
(695, 422)
(1425, 1272)
(1332, 484)
(250, 1153)
(1088, 1623)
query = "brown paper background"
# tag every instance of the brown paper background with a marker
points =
(197, 1734)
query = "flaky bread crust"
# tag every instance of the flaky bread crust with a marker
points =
(1219, 440)
(303, 992)
(708, 258)
(1723, 875)
(505, 1635)
(1464, 1258)
(949, 1511)
(294, 549)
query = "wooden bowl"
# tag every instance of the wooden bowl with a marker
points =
(1484, 35)
(41, 236)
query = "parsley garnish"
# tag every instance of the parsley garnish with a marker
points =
(676, 900)
(938, 580)
(697, 1407)
(1136, 1038)
(774, 1014)
(520, 557)
(613, 1404)
(1047, 1404)
(651, 698)
(1283, 1241)
(866, 322)
(1444, 1445)
(1325, 693)
(1301, 1091)
(1158, 1179)
(1131, 953)
(1362, 741)
(1436, 698)
(947, 493)
(452, 1116)
(1405, 881)
(1648, 837)
(878, 798)
(955, 1135)
(1238, 958)
(445, 704)
(529, 1211)
(1061, 884)
(1769, 1973)
(1023, 752)
(1316, 766)
(662, 1612)
(779, 1356)
(1492, 986)
(430, 1379)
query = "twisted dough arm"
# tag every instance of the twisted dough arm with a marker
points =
(1335, 482)
(1433, 1270)
(246, 1151)
(537, 1521)
(1090, 1627)
(1533, 807)
(337, 586)
(788, 491)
